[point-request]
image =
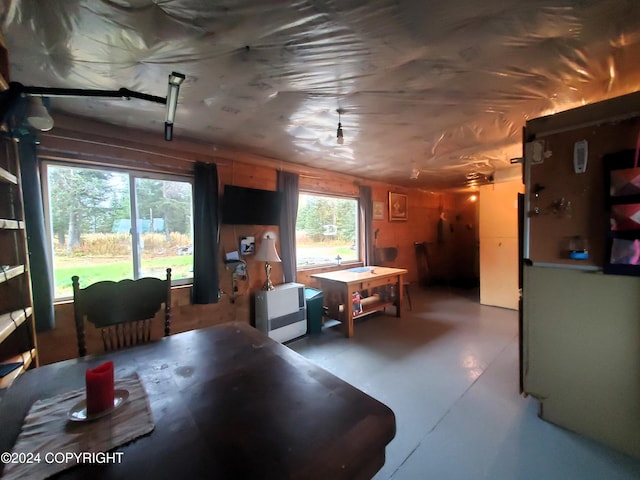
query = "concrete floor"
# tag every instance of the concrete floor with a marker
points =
(449, 371)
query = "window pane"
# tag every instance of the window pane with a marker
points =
(91, 226)
(165, 233)
(325, 229)
(87, 208)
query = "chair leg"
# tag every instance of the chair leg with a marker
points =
(406, 294)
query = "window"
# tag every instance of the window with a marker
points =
(326, 228)
(94, 236)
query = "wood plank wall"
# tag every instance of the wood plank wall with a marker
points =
(90, 141)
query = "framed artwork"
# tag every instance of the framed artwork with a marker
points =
(247, 245)
(378, 210)
(622, 187)
(397, 207)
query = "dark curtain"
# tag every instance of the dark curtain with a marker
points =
(366, 214)
(37, 239)
(288, 185)
(206, 232)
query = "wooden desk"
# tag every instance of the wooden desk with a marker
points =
(339, 286)
(228, 403)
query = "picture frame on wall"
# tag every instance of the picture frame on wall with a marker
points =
(378, 210)
(398, 207)
(622, 190)
(247, 245)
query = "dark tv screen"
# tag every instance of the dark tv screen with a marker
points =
(250, 206)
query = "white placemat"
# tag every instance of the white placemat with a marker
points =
(47, 435)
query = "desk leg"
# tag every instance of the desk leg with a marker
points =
(335, 295)
(348, 314)
(399, 296)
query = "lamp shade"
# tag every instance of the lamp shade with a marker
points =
(38, 116)
(267, 251)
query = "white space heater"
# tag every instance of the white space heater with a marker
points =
(281, 312)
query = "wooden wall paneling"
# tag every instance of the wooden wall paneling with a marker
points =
(60, 343)
(99, 151)
(88, 130)
(253, 176)
(329, 182)
(89, 139)
(552, 229)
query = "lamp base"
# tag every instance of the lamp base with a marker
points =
(268, 285)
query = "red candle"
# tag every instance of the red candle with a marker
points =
(99, 388)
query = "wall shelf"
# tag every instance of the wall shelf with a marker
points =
(7, 272)
(8, 177)
(26, 357)
(10, 321)
(6, 224)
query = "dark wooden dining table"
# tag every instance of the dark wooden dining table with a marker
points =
(228, 403)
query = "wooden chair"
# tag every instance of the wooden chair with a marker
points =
(122, 310)
(386, 255)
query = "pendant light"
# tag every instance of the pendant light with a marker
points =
(340, 136)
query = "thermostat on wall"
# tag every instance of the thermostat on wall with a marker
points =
(580, 154)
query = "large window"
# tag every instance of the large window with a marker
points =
(326, 229)
(94, 235)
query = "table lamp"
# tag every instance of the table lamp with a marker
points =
(267, 253)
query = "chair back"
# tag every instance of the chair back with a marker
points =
(121, 310)
(385, 255)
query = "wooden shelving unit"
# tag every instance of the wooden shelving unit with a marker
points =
(27, 358)
(17, 326)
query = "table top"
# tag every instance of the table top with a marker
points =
(359, 274)
(227, 402)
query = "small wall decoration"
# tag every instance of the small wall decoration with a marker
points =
(398, 207)
(378, 210)
(247, 245)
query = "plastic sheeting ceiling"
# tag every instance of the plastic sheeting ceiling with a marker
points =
(443, 87)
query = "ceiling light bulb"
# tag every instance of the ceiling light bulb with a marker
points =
(340, 135)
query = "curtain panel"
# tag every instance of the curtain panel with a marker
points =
(366, 215)
(206, 234)
(288, 184)
(41, 270)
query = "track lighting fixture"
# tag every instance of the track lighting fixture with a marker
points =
(175, 80)
(36, 110)
(340, 135)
